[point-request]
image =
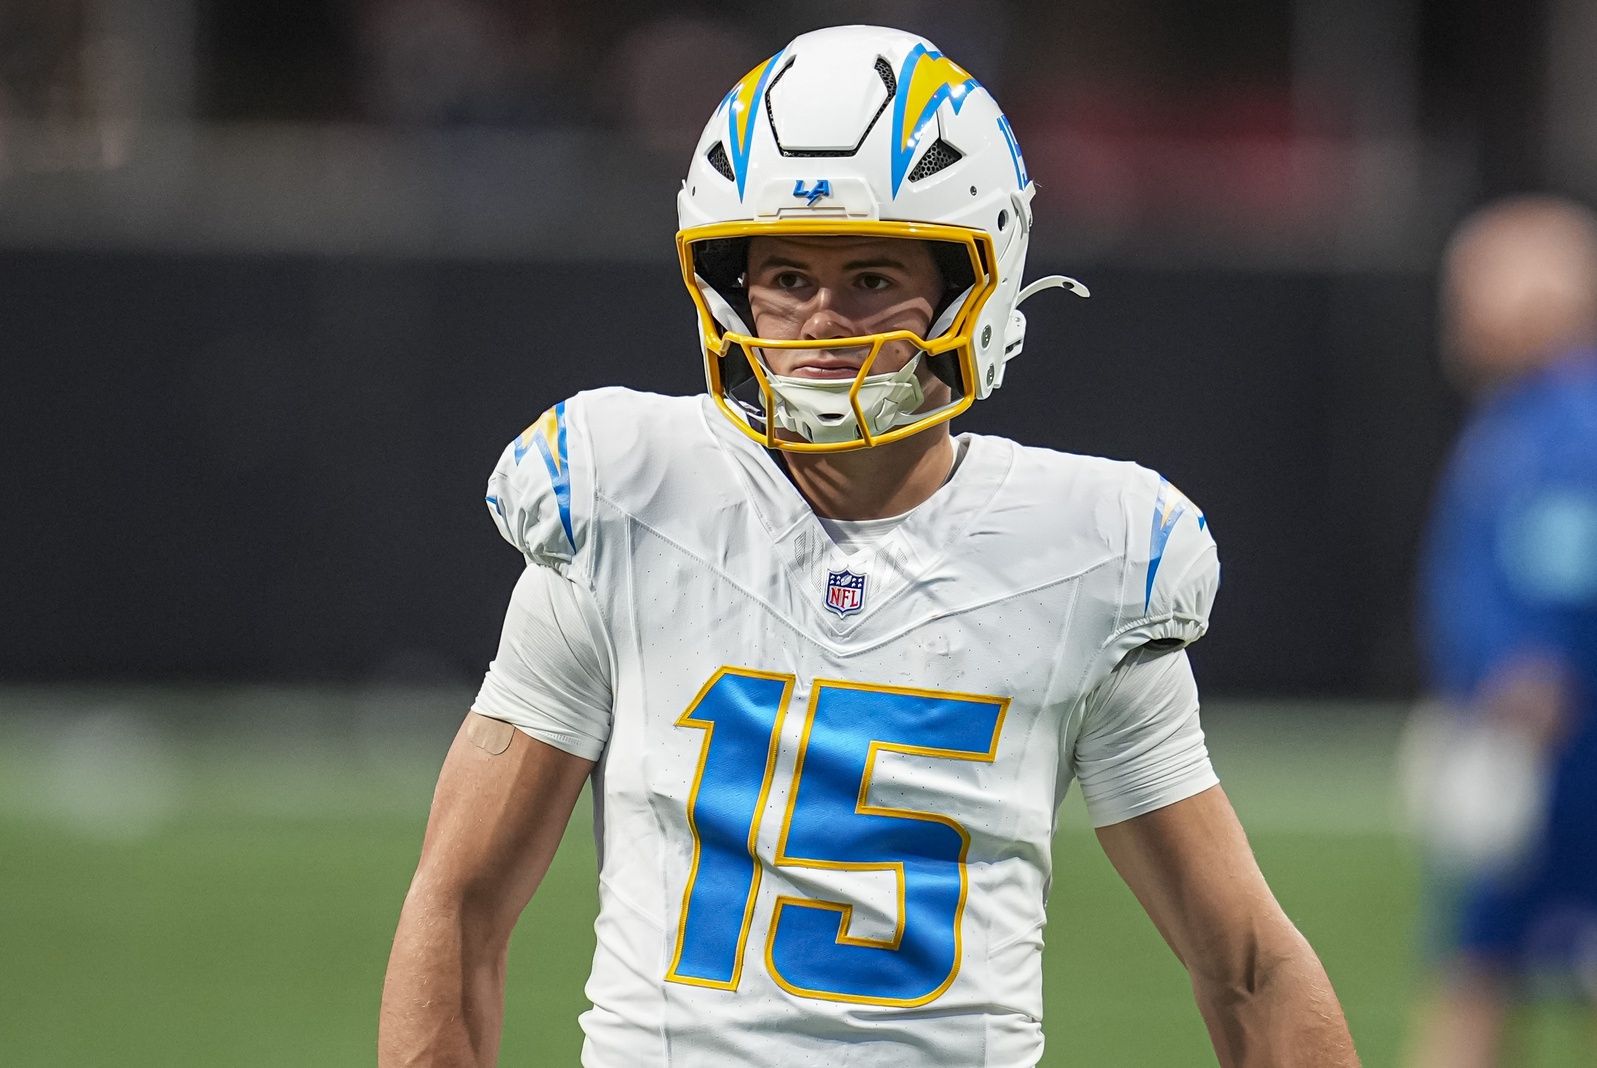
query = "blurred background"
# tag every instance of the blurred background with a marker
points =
(280, 279)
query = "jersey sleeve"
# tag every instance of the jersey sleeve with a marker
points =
(534, 492)
(551, 677)
(1141, 746)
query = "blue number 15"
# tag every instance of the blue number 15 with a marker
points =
(828, 825)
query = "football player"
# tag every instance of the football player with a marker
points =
(830, 667)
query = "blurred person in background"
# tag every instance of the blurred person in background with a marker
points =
(1506, 757)
(830, 667)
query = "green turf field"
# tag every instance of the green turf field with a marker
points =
(213, 879)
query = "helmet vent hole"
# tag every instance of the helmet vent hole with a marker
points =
(717, 159)
(1003, 219)
(941, 154)
(885, 70)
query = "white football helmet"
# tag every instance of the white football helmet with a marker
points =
(859, 130)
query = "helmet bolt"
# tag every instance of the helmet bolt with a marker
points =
(989, 376)
(986, 336)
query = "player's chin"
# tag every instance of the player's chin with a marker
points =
(936, 400)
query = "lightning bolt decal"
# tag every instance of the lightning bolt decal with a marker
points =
(924, 82)
(1168, 507)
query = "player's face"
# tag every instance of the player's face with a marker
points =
(813, 288)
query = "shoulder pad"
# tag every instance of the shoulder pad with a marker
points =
(1172, 565)
(530, 491)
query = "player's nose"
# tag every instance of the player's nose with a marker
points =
(824, 320)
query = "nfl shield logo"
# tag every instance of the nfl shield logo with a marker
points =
(845, 592)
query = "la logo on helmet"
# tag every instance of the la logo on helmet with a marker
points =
(821, 188)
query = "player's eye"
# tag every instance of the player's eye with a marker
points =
(873, 282)
(788, 280)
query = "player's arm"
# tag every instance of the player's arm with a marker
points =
(502, 803)
(503, 799)
(1165, 823)
(1262, 991)
(1169, 830)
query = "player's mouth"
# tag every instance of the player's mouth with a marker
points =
(821, 364)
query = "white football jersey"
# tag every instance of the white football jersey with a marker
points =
(828, 782)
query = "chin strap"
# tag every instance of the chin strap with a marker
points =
(1015, 336)
(1052, 281)
(819, 409)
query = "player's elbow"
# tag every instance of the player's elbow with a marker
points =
(1235, 966)
(1269, 1002)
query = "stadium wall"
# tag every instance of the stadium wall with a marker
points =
(237, 467)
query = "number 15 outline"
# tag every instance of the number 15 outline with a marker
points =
(820, 827)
